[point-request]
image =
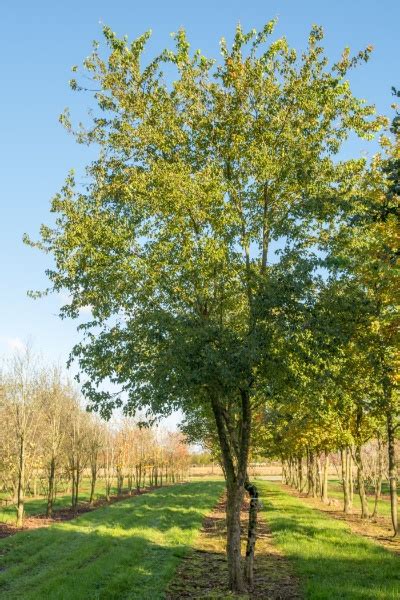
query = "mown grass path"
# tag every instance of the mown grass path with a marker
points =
(330, 561)
(127, 550)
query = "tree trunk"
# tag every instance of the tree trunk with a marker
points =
(379, 477)
(324, 495)
(361, 483)
(252, 533)
(345, 480)
(284, 473)
(93, 482)
(234, 502)
(234, 441)
(312, 491)
(21, 482)
(300, 473)
(350, 475)
(392, 471)
(50, 494)
(318, 484)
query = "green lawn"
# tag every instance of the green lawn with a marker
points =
(126, 550)
(330, 561)
(335, 491)
(37, 505)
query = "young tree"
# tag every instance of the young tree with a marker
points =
(169, 241)
(22, 411)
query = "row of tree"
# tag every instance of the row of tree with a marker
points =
(361, 472)
(51, 445)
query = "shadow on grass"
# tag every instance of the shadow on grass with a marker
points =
(126, 550)
(331, 561)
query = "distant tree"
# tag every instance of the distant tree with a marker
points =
(21, 406)
(54, 396)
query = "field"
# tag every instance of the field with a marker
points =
(37, 505)
(127, 550)
(148, 546)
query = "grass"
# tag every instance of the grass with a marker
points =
(329, 560)
(335, 491)
(129, 549)
(37, 505)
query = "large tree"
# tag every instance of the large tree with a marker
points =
(168, 241)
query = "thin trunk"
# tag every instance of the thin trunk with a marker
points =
(345, 481)
(72, 486)
(300, 473)
(324, 495)
(311, 475)
(350, 476)
(21, 482)
(50, 494)
(392, 471)
(318, 485)
(379, 476)
(93, 481)
(361, 483)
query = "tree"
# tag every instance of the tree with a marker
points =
(22, 410)
(168, 242)
(54, 401)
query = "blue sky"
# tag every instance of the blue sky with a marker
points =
(40, 42)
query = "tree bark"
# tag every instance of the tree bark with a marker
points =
(234, 444)
(50, 494)
(21, 482)
(392, 471)
(361, 483)
(300, 474)
(93, 481)
(350, 476)
(235, 495)
(379, 476)
(312, 491)
(252, 533)
(345, 480)
(324, 495)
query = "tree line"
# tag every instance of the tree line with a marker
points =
(50, 445)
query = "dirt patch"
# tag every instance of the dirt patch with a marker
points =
(66, 514)
(203, 572)
(378, 529)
